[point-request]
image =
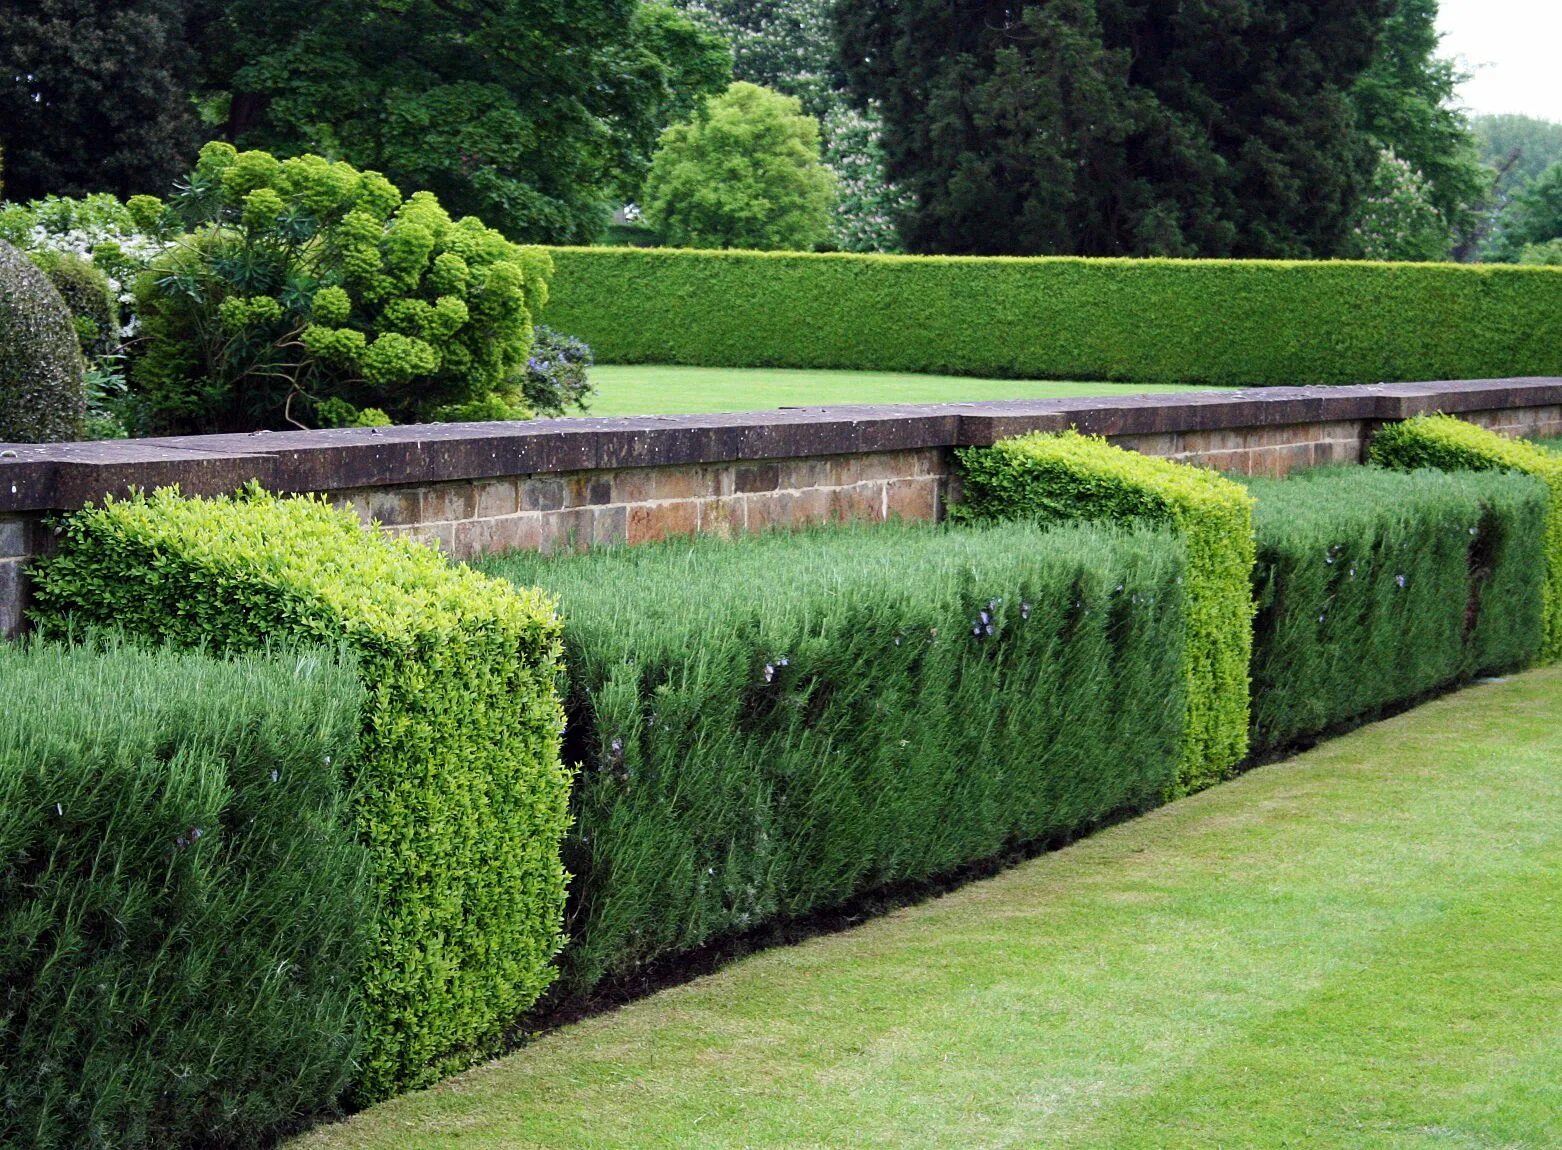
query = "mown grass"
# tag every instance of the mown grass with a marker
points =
(655, 390)
(1355, 948)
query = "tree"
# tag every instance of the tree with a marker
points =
(96, 96)
(1119, 127)
(534, 117)
(744, 173)
(1534, 217)
(1405, 102)
(1397, 219)
(1519, 148)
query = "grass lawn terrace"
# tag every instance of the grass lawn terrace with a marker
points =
(657, 390)
(1356, 948)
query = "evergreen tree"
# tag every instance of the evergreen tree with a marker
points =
(95, 96)
(1120, 127)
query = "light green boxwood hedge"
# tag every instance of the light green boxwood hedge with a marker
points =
(1214, 322)
(461, 798)
(1050, 478)
(1377, 587)
(1453, 445)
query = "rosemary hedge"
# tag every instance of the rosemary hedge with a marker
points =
(1377, 587)
(1453, 445)
(1238, 322)
(460, 795)
(773, 725)
(183, 908)
(1057, 478)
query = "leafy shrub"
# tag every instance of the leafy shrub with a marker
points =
(1245, 323)
(556, 373)
(89, 296)
(1376, 587)
(305, 280)
(460, 795)
(773, 725)
(1058, 478)
(41, 397)
(183, 910)
(1451, 444)
(744, 173)
(120, 239)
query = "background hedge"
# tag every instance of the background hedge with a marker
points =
(1056, 478)
(1454, 445)
(183, 909)
(460, 795)
(773, 725)
(1376, 587)
(1140, 321)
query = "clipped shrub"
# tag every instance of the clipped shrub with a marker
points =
(305, 280)
(773, 725)
(41, 396)
(556, 373)
(460, 796)
(1376, 587)
(1058, 478)
(1451, 444)
(183, 910)
(89, 296)
(1219, 322)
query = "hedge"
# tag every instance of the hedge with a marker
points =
(1140, 321)
(1375, 588)
(183, 910)
(1068, 476)
(1454, 445)
(461, 797)
(771, 726)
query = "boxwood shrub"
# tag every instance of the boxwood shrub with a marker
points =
(771, 726)
(1056, 478)
(460, 795)
(183, 907)
(1377, 587)
(1142, 321)
(1454, 445)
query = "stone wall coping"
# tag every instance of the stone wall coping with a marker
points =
(62, 477)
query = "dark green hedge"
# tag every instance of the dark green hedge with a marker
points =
(1059, 478)
(183, 910)
(461, 798)
(1376, 587)
(1140, 321)
(773, 725)
(1454, 445)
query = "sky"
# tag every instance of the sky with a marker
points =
(1515, 49)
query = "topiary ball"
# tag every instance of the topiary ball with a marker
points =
(41, 394)
(88, 294)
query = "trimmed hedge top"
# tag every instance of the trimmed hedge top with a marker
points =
(1223, 322)
(1055, 478)
(460, 798)
(1451, 444)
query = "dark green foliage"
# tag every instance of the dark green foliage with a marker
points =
(1376, 587)
(1068, 477)
(1451, 444)
(1140, 321)
(533, 117)
(771, 726)
(1534, 216)
(95, 96)
(183, 910)
(460, 797)
(41, 396)
(557, 370)
(1116, 127)
(88, 295)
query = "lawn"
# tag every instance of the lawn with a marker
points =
(628, 390)
(1355, 948)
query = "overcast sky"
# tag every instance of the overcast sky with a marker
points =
(1515, 49)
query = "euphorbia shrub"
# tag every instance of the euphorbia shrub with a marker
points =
(306, 285)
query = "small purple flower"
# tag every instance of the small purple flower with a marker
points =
(1024, 610)
(1400, 579)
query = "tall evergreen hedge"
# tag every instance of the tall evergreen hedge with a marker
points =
(773, 725)
(1452, 444)
(1059, 478)
(183, 908)
(460, 795)
(1246, 323)
(1376, 587)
